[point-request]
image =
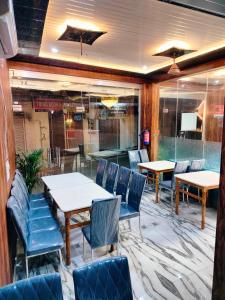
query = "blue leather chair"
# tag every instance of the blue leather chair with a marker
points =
(32, 197)
(24, 205)
(134, 159)
(104, 223)
(132, 208)
(195, 166)
(41, 287)
(35, 243)
(105, 279)
(111, 177)
(144, 158)
(180, 167)
(37, 203)
(102, 163)
(123, 183)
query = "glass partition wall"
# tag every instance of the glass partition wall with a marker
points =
(191, 118)
(84, 119)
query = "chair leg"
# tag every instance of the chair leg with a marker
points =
(129, 225)
(188, 197)
(83, 246)
(172, 200)
(62, 265)
(140, 228)
(27, 268)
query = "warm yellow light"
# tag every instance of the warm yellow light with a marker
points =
(78, 24)
(173, 43)
(219, 73)
(109, 101)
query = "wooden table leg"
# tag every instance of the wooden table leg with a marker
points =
(67, 226)
(204, 196)
(177, 196)
(156, 187)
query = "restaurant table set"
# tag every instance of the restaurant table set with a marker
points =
(185, 174)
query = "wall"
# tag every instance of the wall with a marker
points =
(7, 155)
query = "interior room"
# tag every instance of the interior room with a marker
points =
(112, 149)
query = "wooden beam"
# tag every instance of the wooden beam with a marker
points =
(38, 64)
(150, 116)
(218, 290)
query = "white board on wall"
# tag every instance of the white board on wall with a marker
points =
(188, 121)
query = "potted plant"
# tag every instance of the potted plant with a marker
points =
(29, 164)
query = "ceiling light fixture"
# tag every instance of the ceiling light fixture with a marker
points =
(109, 101)
(174, 53)
(54, 50)
(75, 34)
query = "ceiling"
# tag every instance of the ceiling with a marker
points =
(30, 18)
(135, 31)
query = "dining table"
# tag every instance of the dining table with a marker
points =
(203, 181)
(157, 168)
(72, 199)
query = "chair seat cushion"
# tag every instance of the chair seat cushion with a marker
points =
(43, 224)
(41, 242)
(39, 213)
(35, 197)
(38, 204)
(86, 232)
(167, 184)
(127, 212)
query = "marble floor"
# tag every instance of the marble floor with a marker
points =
(174, 260)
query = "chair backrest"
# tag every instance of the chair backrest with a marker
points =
(111, 177)
(102, 163)
(20, 177)
(104, 224)
(134, 159)
(17, 192)
(81, 149)
(105, 279)
(144, 155)
(18, 218)
(136, 189)
(180, 167)
(40, 287)
(197, 165)
(123, 182)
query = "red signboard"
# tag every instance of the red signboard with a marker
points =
(48, 104)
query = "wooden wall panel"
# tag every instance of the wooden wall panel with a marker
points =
(150, 116)
(7, 153)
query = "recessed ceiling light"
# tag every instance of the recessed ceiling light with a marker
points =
(66, 83)
(216, 81)
(144, 67)
(54, 50)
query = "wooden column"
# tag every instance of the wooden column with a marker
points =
(150, 115)
(218, 291)
(7, 158)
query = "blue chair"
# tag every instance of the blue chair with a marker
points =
(105, 279)
(111, 177)
(180, 167)
(24, 206)
(134, 159)
(37, 203)
(37, 288)
(123, 183)
(32, 197)
(34, 243)
(104, 223)
(131, 209)
(195, 166)
(102, 163)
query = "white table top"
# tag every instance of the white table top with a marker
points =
(202, 178)
(160, 165)
(72, 150)
(79, 197)
(65, 181)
